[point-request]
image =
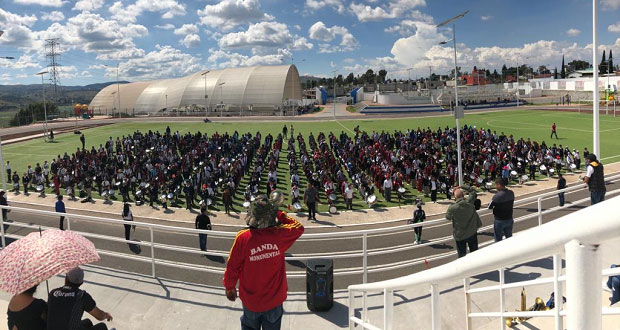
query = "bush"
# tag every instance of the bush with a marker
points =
(34, 112)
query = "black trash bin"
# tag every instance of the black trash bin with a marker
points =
(320, 284)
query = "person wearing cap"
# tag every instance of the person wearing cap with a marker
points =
(67, 304)
(203, 222)
(465, 220)
(595, 179)
(256, 261)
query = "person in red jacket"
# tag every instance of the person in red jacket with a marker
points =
(256, 260)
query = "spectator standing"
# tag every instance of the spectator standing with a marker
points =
(595, 179)
(613, 283)
(67, 304)
(4, 202)
(387, 188)
(433, 189)
(502, 205)
(227, 199)
(203, 222)
(561, 185)
(418, 217)
(26, 312)
(554, 131)
(256, 261)
(348, 195)
(311, 197)
(127, 216)
(83, 140)
(465, 220)
(60, 208)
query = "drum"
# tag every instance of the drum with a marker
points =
(15, 185)
(488, 185)
(513, 173)
(371, 199)
(573, 167)
(209, 202)
(543, 168)
(170, 196)
(52, 185)
(333, 197)
(139, 193)
(147, 185)
(297, 206)
(252, 198)
(246, 204)
(104, 194)
(332, 209)
(162, 198)
(118, 183)
(40, 188)
(111, 192)
(69, 191)
(524, 177)
(451, 191)
(202, 203)
(479, 180)
(401, 190)
(551, 171)
(444, 186)
(472, 176)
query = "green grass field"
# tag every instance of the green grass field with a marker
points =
(574, 130)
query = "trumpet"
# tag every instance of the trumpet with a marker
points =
(539, 305)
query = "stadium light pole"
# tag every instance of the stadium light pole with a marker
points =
(44, 105)
(456, 92)
(204, 74)
(2, 168)
(334, 73)
(221, 100)
(595, 138)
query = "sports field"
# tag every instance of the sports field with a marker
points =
(574, 130)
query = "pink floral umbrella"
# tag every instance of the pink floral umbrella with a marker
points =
(39, 256)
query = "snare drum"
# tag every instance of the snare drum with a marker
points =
(170, 196)
(513, 173)
(297, 206)
(332, 210)
(543, 168)
(524, 177)
(371, 199)
(401, 190)
(551, 171)
(333, 197)
(40, 188)
(573, 167)
(246, 205)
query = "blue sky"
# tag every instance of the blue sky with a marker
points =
(151, 39)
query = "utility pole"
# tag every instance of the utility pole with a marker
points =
(205, 75)
(52, 53)
(595, 97)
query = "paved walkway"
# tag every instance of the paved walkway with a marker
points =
(140, 302)
(182, 217)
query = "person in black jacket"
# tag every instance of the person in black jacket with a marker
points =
(561, 185)
(502, 204)
(595, 179)
(203, 222)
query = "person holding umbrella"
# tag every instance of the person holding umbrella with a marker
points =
(67, 304)
(27, 312)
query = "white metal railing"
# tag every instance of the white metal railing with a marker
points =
(363, 234)
(568, 235)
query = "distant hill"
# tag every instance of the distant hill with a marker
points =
(11, 96)
(304, 79)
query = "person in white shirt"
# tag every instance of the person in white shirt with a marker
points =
(434, 189)
(348, 195)
(387, 189)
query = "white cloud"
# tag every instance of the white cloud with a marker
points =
(486, 18)
(573, 32)
(8, 18)
(611, 4)
(349, 60)
(264, 38)
(163, 62)
(45, 3)
(228, 59)
(165, 26)
(318, 31)
(168, 8)
(614, 27)
(92, 33)
(186, 29)
(23, 62)
(394, 9)
(88, 5)
(191, 40)
(297, 27)
(53, 16)
(228, 14)
(318, 4)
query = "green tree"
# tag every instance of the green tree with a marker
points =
(563, 73)
(504, 70)
(603, 66)
(382, 74)
(611, 62)
(34, 112)
(350, 78)
(577, 65)
(555, 73)
(369, 76)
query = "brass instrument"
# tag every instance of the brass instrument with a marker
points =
(539, 305)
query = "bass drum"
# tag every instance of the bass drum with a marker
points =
(332, 209)
(297, 206)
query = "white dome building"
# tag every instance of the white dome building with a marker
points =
(259, 88)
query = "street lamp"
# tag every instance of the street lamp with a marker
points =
(596, 147)
(409, 81)
(166, 102)
(44, 105)
(205, 75)
(457, 114)
(334, 73)
(1, 160)
(118, 89)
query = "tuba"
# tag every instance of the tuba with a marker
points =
(539, 305)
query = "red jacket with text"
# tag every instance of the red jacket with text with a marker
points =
(256, 259)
